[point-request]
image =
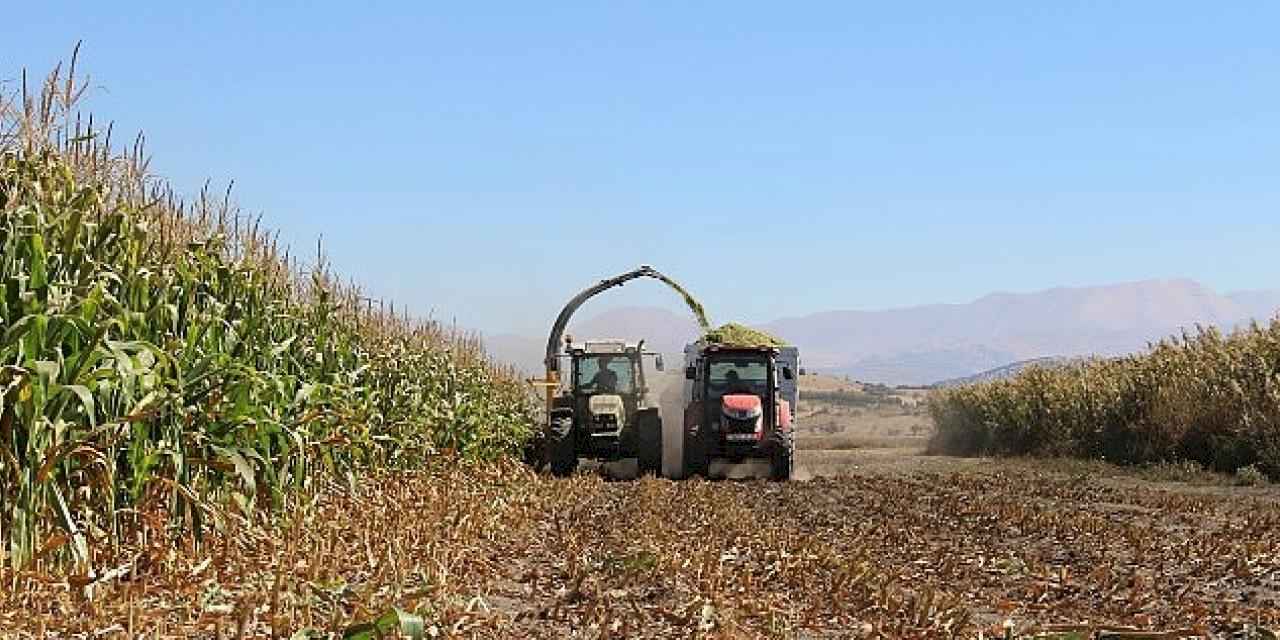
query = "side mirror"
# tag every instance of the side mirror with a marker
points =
(691, 373)
(657, 363)
(786, 373)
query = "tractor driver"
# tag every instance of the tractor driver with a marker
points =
(733, 383)
(606, 379)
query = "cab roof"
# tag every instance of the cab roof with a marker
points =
(604, 347)
(737, 348)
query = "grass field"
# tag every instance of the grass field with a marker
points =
(839, 414)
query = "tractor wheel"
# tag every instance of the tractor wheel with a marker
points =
(649, 443)
(535, 451)
(780, 463)
(695, 455)
(561, 452)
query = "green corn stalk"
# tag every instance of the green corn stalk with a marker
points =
(156, 353)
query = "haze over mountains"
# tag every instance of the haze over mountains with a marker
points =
(926, 344)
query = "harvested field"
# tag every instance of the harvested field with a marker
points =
(901, 546)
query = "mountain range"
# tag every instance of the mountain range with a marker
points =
(1006, 371)
(926, 344)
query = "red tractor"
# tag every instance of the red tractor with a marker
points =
(739, 403)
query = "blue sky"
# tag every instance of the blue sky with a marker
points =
(484, 161)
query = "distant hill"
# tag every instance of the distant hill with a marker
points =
(938, 342)
(924, 344)
(1260, 305)
(663, 331)
(523, 352)
(1000, 373)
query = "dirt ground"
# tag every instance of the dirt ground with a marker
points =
(876, 543)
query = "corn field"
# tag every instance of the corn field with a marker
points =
(1206, 397)
(167, 355)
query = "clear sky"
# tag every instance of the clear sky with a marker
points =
(485, 161)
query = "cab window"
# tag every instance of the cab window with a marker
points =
(589, 367)
(737, 375)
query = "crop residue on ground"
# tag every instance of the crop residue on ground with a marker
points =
(495, 551)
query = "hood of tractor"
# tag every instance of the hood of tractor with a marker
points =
(607, 405)
(742, 406)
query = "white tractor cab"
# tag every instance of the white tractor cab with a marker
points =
(602, 408)
(740, 403)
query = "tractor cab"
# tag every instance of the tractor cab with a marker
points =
(606, 384)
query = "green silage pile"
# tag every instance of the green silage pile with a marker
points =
(736, 335)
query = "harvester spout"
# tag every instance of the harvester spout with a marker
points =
(555, 339)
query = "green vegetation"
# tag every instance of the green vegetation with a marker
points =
(1208, 397)
(696, 307)
(871, 396)
(1250, 476)
(163, 355)
(734, 334)
(849, 399)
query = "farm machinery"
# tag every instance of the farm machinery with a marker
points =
(739, 405)
(597, 399)
(604, 412)
(739, 399)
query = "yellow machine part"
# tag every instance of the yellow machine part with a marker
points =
(550, 382)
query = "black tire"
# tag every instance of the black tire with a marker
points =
(694, 456)
(535, 451)
(561, 452)
(780, 459)
(649, 442)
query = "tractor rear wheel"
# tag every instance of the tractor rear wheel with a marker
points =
(780, 462)
(561, 453)
(649, 442)
(535, 451)
(694, 457)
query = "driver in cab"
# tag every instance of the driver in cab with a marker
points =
(606, 379)
(734, 383)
